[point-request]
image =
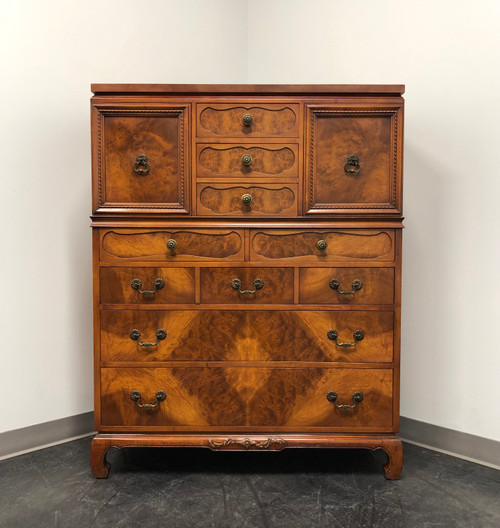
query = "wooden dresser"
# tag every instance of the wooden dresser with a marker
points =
(247, 267)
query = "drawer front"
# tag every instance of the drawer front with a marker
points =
(308, 246)
(242, 120)
(136, 285)
(246, 285)
(172, 246)
(247, 200)
(346, 285)
(247, 162)
(205, 398)
(142, 159)
(253, 335)
(353, 160)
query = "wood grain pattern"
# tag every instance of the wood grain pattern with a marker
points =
(269, 120)
(116, 285)
(212, 396)
(377, 285)
(267, 199)
(255, 335)
(342, 245)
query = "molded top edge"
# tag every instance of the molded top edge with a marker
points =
(243, 89)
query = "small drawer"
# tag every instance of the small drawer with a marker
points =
(243, 120)
(215, 398)
(247, 163)
(246, 285)
(247, 200)
(346, 286)
(317, 246)
(136, 285)
(171, 246)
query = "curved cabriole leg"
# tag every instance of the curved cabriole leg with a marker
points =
(394, 465)
(98, 448)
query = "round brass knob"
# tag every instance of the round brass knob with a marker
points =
(321, 245)
(247, 119)
(171, 244)
(246, 160)
(246, 199)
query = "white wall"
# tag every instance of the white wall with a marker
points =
(443, 51)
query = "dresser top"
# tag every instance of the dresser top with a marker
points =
(253, 89)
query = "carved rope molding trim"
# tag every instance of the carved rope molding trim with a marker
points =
(176, 112)
(247, 443)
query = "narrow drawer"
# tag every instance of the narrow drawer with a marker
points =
(247, 200)
(346, 285)
(136, 285)
(247, 335)
(171, 246)
(208, 398)
(247, 162)
(247, 120)
(316, 246)
(246, 285)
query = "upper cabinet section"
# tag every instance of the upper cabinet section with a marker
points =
(140, 160)
(353, 159)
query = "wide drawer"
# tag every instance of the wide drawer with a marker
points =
(246, 285)
(247, 335)
(207, 398)
(247, 120)
(142, 285)
(346, 285)
(247, 162)
(320, 245)
(247, 200)
(172, 246)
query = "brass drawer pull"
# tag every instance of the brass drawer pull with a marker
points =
(357, 334)
(246, 160)
(258, 284)
(247, 119)
(321, 245)
(141, 164)
(135, 395)
(247, 199)
(357, 397)
(158, 284)
(356, 286)
(171, 244)
(136, 334)
(352, 166)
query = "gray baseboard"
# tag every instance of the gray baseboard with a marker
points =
(40, 435)
(464, 445)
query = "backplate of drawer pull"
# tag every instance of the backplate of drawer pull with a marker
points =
(258, 284)
(136, 334)
(357, 334)
(158, 284)
(356, 286)
(332, 396)
(136, 396)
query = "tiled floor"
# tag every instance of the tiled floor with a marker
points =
(179, 488)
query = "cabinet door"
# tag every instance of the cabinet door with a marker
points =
(141, 159)
(354, 159)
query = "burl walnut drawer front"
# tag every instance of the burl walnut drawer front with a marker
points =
(247, 335)
(138, 285)
(246, 285)
(207, 398)
(247, 162)
(322, 245)
(172, 246)
(143, 159)
(247, 120)
(247, 200)
(346, 285)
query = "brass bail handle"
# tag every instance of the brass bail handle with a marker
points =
(352, 166)
(136, 334)
(258, 284)
(136, 396)
(332, 396)
(141, 164)
(333, 335)
(158, 284)
(356, 286)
